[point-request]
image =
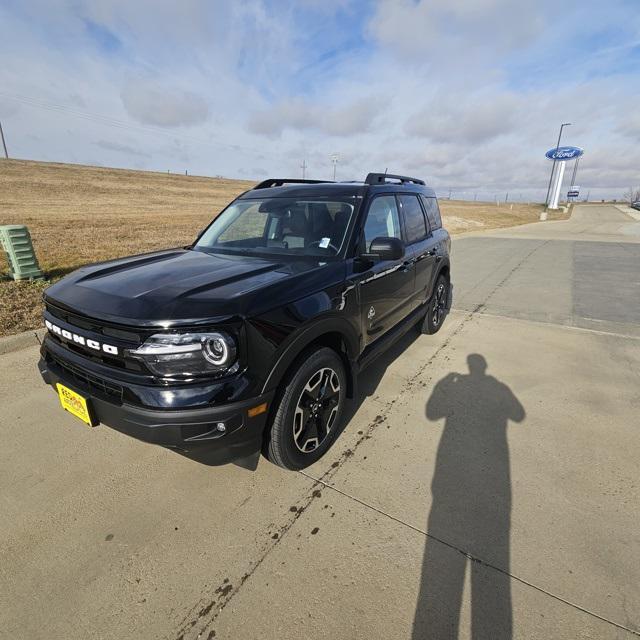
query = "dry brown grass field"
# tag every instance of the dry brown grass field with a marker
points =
(78, 214)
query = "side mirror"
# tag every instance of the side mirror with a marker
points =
(385, 249)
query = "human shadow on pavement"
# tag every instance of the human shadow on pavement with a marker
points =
(469, 521)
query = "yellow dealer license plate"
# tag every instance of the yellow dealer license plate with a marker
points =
(74, 403)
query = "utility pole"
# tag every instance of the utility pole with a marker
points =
(335, 159)
(4, 144)
(562, 126)
(303, 166)
(506, 198)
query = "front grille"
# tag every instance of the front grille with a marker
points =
(92, 383)
(93, 329)
(111, 361)
(90, 324)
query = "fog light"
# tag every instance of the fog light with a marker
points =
(220, 427)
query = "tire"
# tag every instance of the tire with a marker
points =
(436, 307)
(304, 428)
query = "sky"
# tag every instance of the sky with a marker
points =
(466, 94)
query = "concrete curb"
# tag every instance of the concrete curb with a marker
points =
(21, 341)
(629, 211)
(483, 232)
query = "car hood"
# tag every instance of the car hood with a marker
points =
(179, 287)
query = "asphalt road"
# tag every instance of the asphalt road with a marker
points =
(487, 485)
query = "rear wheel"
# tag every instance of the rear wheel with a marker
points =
(436, 307)
(308, 416)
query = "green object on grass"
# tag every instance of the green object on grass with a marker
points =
(16, 242)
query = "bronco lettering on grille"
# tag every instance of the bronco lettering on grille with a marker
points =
(81, 340)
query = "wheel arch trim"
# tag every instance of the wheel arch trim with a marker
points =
(306, 337)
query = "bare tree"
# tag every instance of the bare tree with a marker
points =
(632, 194)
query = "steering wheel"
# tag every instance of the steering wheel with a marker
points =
(329, 246)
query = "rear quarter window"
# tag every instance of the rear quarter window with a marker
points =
(414, 223)
(433, 212)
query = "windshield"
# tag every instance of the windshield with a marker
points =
(305, 227)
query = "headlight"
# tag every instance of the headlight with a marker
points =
(187, 354)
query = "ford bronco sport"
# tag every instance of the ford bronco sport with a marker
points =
(251, 338)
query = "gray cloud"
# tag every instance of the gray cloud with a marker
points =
(470, 119)
(122, 148)
(629, 125)
(354, 118)
(254, 173)
(163, 106)
(8, 108)
(455, 29)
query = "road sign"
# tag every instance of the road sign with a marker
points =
(574, 192)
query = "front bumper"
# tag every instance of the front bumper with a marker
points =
(190, 431)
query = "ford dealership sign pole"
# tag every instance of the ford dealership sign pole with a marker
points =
(557, 185)
(543, 215)
(560, 155)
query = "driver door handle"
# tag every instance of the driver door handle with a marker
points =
(407, 265)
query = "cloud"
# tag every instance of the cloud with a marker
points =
(465, 118)
(163, 106)
(125, 149)
(254, 173)
(629, 126)
(8, 108)
(302, 115)
(455, 28)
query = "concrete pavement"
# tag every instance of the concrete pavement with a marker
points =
(485, 487)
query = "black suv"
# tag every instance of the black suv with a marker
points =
(251, 338)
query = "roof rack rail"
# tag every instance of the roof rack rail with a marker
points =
(278, 182)
(381, 178)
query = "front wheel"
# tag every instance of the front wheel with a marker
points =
(308, 417)
(436, 307)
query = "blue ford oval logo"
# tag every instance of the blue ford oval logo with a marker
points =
(564, 153)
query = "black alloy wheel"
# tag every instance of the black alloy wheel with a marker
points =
(436, 307)
(308, 413)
